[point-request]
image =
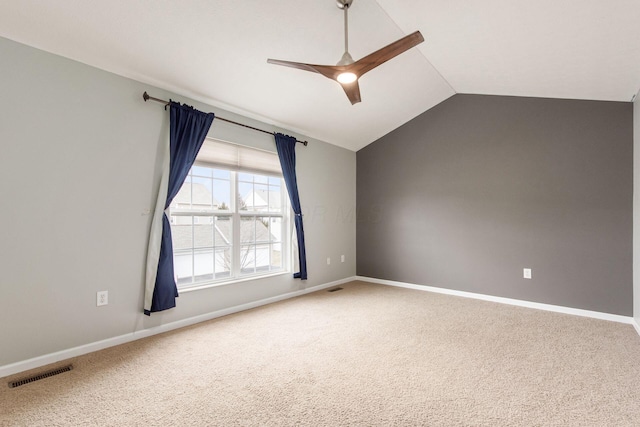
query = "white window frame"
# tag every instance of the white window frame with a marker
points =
(236, 215)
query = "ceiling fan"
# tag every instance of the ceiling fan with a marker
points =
(347, 71)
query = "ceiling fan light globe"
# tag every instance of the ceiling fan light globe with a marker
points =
(346, 78)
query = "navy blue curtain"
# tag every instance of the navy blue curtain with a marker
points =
(189, 128)
(286, 146)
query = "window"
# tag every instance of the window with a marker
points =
(217, 237)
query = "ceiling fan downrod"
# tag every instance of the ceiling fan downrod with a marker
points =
(346, 57)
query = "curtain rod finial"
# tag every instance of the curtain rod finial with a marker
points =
(145, 96)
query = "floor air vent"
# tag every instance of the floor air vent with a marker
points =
(18, 383)
(334, 289)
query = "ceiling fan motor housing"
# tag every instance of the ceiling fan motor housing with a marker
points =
(346, 59)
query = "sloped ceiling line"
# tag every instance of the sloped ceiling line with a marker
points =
(218, 53)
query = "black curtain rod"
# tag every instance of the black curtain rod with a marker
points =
(147, 97)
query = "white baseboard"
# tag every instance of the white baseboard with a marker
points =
(636, 325)
(47, 359)
(521, 303)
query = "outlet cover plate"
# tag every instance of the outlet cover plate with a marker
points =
(526, 273)
(102, 298)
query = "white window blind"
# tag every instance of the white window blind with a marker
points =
(238, 157)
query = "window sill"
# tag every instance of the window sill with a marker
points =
(208, 285)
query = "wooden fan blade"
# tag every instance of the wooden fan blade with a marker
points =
(388, 52)
(359, 67)
(298, 65)
(329, 71)
(352, 90)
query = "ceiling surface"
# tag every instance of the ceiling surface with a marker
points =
(215, 51)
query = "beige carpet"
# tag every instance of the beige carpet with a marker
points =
(367, 355)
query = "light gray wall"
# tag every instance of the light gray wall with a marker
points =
(79, 174)
(636, 208)
(472, 191)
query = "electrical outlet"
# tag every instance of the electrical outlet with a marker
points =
(341, 258)
(526, 273)
(102, 298)
(328, 261)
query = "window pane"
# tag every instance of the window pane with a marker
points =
(203, 232)
(245, 196)
(262, 258)
(260, 179)
(223, 231)
(201, 193)
(223, 263)
(222, 194)
(180, 220)
(183, 198)
(201, 171)
(221, 174)
(181, 233)
(275, 199)
(275, 229)
(262, 229)
(182, 266)
(260, 198)
(247, 259)
(274, 181)
(203, 265)
(248, 229)
(276, 256)
(246, 177)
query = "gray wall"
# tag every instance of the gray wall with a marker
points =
(636, 208)
(472, 191)
(79, 174)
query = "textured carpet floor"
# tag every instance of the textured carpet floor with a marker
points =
(367, 355)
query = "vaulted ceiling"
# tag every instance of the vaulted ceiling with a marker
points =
(216, 50)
